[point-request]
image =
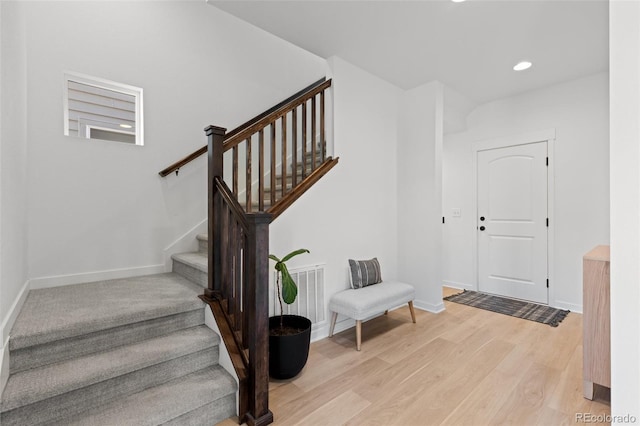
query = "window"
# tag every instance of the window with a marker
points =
(95, 108)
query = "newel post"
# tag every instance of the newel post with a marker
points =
(257, 311)
(215, 138)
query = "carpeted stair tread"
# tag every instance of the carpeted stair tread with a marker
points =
(86, 308)
(45, 382)
(103, 340)
(193, 266)
(167, 402)
(196, 259)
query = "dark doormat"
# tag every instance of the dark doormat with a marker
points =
(514, 308)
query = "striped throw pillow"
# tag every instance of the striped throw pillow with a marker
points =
(364, 272)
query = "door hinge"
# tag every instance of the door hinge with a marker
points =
(547, 222)
(547, 282)
(547, 161)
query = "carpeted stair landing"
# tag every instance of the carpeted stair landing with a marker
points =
(121, 352)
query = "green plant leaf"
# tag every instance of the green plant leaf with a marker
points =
(294, 253)
(289, 288)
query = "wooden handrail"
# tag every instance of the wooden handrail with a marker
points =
(232, 136)
(268, 119)
(175, 167)
(276, 107)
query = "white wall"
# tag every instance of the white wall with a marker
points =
(351, 211)
(99, 209)
(13, 171)
(456, 109)
(624, 42)
(420, 193)
(578, 110)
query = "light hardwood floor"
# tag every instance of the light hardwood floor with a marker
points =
(464, 366)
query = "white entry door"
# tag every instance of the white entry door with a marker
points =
(512, 222)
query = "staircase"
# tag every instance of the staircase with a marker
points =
(121, 352)
(136, 351)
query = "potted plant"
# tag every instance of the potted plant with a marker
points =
(289, 335)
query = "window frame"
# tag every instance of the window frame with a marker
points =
(102, 83)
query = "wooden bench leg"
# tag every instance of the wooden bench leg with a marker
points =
(333, 323)
(358, 334)
(413, 313)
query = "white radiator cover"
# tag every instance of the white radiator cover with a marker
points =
(310, 300)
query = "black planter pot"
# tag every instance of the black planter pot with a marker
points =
(288, 354)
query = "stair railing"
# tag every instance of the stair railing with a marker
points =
(290, 138)
(238, 286)
(294, 131)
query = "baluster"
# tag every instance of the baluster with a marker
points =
(234, 150)
(240, 277)
(225, 251)
(313, 133)
(246, 287)
(304, 139)
(248, 177)
(273, 163)
(294, 147)
(283, 166)
(323, 142)
(233, 244)
(261, 170)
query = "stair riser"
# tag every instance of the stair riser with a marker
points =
(60, 350)
(203, 246)
(76, 401)
(189, 272)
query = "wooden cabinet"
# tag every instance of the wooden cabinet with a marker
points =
(596, 323)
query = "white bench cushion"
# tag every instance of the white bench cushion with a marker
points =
(367, 301)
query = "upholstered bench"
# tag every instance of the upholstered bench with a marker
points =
(362, 303)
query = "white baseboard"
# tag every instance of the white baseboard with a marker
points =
(429, 307)
(185, 243)
(323, 332)
(320, 330)
(4, 367)
(14, 310)
(460, 286)
(87, 277)
(7, 324)
(566, 305)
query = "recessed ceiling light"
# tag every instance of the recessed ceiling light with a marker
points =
(457, 1)
(126, 126)
(523, 65)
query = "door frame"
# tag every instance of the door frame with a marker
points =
(548, 136)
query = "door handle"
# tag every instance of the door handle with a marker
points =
(482, 218)
(482, 228)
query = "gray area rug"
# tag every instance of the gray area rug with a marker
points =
(514, 308)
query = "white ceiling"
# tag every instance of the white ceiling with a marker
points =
(471, 46)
